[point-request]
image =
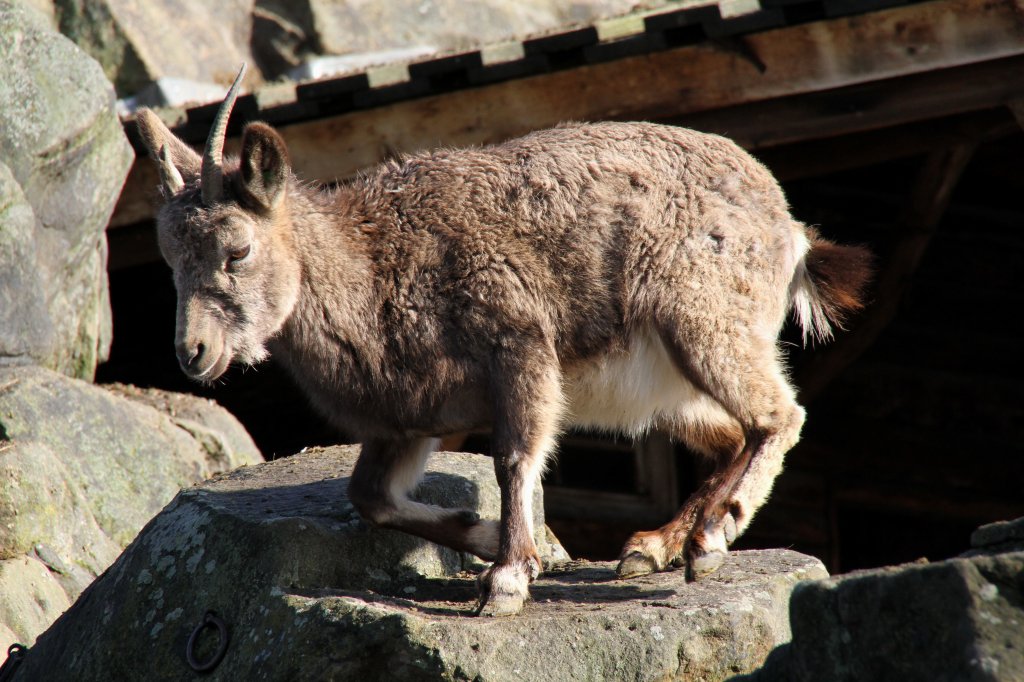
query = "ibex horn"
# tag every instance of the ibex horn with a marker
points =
(213, 170)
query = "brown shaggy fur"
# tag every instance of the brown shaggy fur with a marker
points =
(616, 276)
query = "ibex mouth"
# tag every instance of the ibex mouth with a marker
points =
(209, 367)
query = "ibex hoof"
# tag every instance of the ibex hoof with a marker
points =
(635, 564)
(499, 605)
(504, 589)
(704, 564)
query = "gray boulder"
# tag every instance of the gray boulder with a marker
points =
(63, 158)
(307, 590)
(1001, 536)
(958, 620)
(82, 469)
(140, 42)
(26, 328)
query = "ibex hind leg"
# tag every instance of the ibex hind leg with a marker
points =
(387, 471)
(716, 436)
(745, 377)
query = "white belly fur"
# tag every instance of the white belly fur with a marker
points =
(631, 391)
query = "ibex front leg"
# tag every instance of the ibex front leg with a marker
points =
(528, 404)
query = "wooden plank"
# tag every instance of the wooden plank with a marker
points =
(771, 64)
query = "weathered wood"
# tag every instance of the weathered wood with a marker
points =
(797, 59)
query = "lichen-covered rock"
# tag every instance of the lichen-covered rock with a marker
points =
(959, 619)
(65, 157)
(26, 329)
(82, 469)
(309, 591)
(139, 42)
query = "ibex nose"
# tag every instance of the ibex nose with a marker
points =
(190, 356)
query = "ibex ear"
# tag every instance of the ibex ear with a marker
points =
(178, 162)
(265, 165)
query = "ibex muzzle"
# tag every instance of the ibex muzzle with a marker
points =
(199, 341)
(616, 276)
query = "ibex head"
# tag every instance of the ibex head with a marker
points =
(224, 230)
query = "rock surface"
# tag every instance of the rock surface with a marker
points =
(64, 158)
(82, 469)
(139, 43)
(308, 591)
(959, 619)
(1002, 536)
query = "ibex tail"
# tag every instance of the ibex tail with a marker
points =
(828, 285)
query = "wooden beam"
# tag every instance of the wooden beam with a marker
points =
(816, 158)
(866, 107)
(932, 190)
(792, 60)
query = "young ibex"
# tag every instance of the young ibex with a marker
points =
(619, 276)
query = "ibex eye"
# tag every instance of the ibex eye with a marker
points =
(238, 254)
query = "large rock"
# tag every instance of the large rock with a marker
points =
(959, 619)
(202, 42)
(26, 328)
(82, 469)
(140, 42)
(308, 591)
(64, 158)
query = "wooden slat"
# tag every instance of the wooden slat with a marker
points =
(777, 63)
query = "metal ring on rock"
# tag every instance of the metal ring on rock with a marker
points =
(209, 620)
(15, 655)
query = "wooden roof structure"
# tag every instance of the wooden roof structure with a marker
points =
(769, 74)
